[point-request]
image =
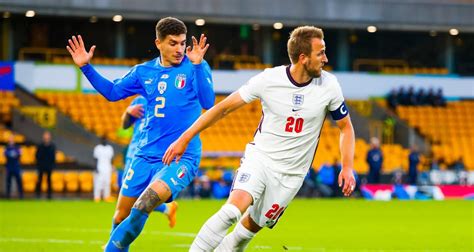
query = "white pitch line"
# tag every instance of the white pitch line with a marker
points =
(36, 240)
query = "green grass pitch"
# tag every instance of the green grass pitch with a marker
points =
(307, 225)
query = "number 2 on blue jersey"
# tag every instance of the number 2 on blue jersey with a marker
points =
(161, 104)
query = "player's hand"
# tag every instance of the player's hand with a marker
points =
(78, 51)
(197, 51)
(175, 150)
(136, 111)
(347, 181)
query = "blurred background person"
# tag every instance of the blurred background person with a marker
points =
(46, 162)
(375, 161)
(413, 161)
(104, 154)
(12, 155)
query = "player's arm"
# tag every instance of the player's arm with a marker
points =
(229, 104)
(203, 84)
(131, 114)
(347, 146)
(122, 88)
(202, 72)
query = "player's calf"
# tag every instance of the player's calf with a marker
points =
(215, 228)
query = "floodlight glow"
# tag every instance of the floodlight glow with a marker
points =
(277, 26)
(30, 13)
(371, 28)
(117, 18)
(200, 22)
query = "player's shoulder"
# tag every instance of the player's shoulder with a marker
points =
(147, 67)
(278, 70)
(327, 76)
(329, 79)
(273, 73)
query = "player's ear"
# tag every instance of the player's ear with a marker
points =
(157, 43)
(302, 58)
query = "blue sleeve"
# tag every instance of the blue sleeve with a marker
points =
(138, 100)
(113, 91)
(203, 85)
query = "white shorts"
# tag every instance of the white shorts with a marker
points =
(271, 191)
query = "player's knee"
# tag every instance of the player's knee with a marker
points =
(230, 213)
(120, 215)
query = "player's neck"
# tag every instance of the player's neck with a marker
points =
(299, 75)
(164, 63)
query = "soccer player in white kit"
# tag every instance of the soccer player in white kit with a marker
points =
(104, 154)
(295, 100)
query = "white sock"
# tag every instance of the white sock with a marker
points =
(237, 240)
(215, 228)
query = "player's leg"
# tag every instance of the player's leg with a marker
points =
(215, 228)
(129, 229)
(48, 180)
(167, 183)
(9, 182)
(19, 183)
(280, 190)
(247, 187)
(170, 210)
(38, 183)
(239, 238)
(97, 186)
(106, 185)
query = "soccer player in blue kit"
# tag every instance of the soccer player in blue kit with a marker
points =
(134, 116)
(176, 85)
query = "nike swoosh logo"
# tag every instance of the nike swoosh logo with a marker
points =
(294, 110)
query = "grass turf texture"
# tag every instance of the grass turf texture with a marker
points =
(307, 225)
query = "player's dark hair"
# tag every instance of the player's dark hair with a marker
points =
(300, 41)
(170, 26)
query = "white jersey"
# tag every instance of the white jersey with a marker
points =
(104, 155)
(292, 116)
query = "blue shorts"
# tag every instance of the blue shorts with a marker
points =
(141, 172)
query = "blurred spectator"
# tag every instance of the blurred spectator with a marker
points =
(45, 161)
(458, 165)
(220, 189)
(430, 97)
(12, 155)
(434, 165)
(413, 161)
(402, 97)
(325, 180)
(204, 187)
(375, 161)
(392, 99)
(104, 154)
(421, 97)
(337, 167)
(439, 99)
(309, 184)
(411, 97)
(121, 168)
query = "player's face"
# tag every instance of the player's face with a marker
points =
(171, 49)
(313, 64)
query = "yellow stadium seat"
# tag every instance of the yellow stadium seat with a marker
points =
(29, 181)
(72, 181)
(86, 181)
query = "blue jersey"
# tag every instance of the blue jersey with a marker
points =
(175, 97)
(138, 127)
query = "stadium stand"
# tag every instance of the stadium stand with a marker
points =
(92, 111)
(450, 129)
(224, 143)
(7, 102)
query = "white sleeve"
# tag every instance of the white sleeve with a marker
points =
(96, 152)
(253, 89)
(337, 98)
(111, 151)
